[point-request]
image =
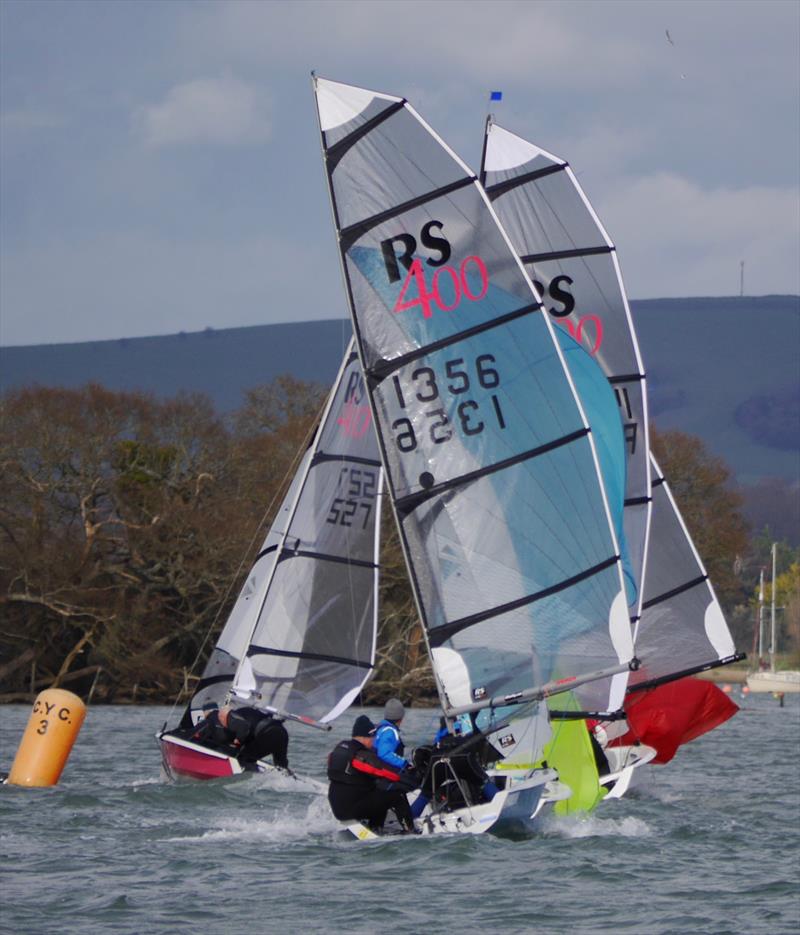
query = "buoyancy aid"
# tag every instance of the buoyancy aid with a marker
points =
(244, 723)
(353, 764)
(210, 731)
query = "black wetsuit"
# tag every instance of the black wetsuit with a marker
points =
(210, 731)
(251, 735)
(354, 772)
(260, 735)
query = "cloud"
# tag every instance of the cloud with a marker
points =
(217, 111)
(678, 239)
(490, 42)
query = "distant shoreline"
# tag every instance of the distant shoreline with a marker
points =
(733, 675)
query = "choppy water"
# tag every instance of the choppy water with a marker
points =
(709, 844)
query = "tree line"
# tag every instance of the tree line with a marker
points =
(128, 523)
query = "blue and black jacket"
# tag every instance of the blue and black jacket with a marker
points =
(389, 744)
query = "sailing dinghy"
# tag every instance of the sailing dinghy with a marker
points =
(492, 467)
(300, 640)
(678, 624)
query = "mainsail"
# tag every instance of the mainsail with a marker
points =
(573, 264)
(301, 636)
(490, 460)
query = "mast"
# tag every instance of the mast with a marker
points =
(678, 624)
(415, 590)
(772, 615)
(760, 615)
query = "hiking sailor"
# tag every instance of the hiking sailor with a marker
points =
(253, 734)
(355, 772)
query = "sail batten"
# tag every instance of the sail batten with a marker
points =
(337, 150)
(500, 188)
(406, 504)
(323, 557)
(620, 378)
(321, 458)
(384, 368)
(321, 657)
(354, 231)
(530, 258)
(447, 630)
(678, 589)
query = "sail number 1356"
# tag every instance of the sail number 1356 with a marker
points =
(460, 380)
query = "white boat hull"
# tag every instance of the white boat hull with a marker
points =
(623, 761)
(777, 682)
(511, 813)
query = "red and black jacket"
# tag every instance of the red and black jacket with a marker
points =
(353, 764)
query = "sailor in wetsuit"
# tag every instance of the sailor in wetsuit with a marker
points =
(354, 772)
(253, 734)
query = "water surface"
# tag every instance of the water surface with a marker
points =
(709, 843)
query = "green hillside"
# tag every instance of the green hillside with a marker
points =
(726, 369)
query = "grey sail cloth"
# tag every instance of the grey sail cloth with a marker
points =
(301, 635)
(682, 625)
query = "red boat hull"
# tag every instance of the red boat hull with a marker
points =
(183, 759)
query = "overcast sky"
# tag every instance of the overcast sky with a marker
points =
(161, 168)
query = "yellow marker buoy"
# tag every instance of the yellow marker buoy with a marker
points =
(54, 723)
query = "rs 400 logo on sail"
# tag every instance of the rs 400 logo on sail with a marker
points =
(448, 285)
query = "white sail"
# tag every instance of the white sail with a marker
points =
(573, 263)
(490, 461)
(301, 635)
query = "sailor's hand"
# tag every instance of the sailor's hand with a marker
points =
(411, 778)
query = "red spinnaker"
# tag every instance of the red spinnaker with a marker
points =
(670, 715)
